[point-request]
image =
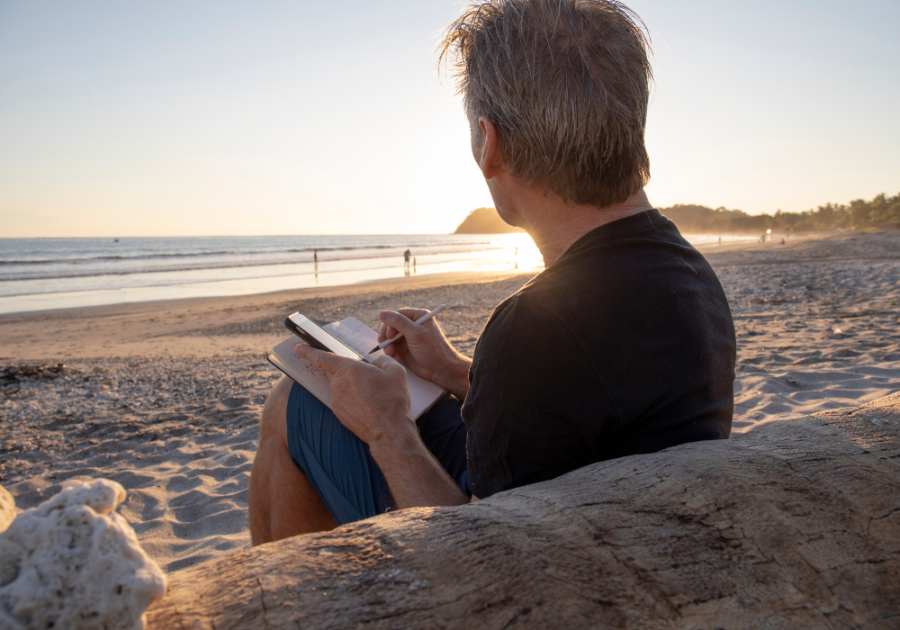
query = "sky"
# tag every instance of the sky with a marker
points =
(173, 118)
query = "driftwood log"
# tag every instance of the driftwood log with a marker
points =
(795, 524)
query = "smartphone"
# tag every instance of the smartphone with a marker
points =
(316, 336)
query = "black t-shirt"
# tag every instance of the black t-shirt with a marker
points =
(625, 345)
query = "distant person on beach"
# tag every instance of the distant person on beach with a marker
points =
(406, 255)
(623, 345)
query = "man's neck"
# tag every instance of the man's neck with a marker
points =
(555, 225)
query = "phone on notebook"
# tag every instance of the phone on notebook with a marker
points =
(316, 336)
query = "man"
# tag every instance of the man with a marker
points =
(623, 345)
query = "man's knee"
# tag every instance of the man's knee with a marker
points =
(273, 422)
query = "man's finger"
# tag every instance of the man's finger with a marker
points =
(323, 360)
(412, 313)
(401, 323)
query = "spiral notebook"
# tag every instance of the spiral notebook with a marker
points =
(422, 394)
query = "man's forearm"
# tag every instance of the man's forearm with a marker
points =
(415, 477)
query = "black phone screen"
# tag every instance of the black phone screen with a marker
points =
(316, 336)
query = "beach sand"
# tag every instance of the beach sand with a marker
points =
(165, 397)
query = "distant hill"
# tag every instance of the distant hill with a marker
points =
(485, 221)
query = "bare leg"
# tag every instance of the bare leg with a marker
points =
(282, 501)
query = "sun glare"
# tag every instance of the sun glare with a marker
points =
(519, 248)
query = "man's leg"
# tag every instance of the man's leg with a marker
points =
(282, 501)
(311, 473)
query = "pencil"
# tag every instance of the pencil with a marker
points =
(421, 320)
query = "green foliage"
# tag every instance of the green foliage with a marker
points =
(485, 221)
(882, 211)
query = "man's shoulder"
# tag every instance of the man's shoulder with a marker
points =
(610, 277)
(502, 321)
(609, 267)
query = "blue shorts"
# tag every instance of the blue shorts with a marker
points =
(341, 469)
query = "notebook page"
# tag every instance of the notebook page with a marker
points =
(422, 394)
(301, 370)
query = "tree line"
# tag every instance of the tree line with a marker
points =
(880, 212)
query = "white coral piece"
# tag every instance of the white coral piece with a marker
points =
(7, 509)
(74, 563)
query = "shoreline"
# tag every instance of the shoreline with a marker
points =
(135, 323)
(365, 286)
(262, 277)
(74, 332)
(446, 277)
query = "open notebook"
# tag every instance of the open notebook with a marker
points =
(422, 393)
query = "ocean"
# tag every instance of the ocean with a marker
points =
(51, 273)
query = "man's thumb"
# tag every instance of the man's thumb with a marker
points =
(322, 360)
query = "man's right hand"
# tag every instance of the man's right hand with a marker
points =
(425, 350)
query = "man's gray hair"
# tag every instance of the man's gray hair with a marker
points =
(567, 83)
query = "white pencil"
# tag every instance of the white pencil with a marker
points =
(421, 320)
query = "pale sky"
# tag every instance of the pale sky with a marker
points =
(192, 118)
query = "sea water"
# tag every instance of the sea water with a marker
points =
(50, 273)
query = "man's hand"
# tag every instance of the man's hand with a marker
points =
(425, 350)
(372, 400)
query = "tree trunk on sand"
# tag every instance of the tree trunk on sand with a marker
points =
(795, 524)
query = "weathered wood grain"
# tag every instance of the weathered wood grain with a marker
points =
(793, 525)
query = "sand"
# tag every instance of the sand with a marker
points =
(164, 397)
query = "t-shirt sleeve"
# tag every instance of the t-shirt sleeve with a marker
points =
(536, 408)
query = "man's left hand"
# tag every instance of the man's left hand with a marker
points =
(370, 399)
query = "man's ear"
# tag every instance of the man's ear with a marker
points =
(489, 152)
